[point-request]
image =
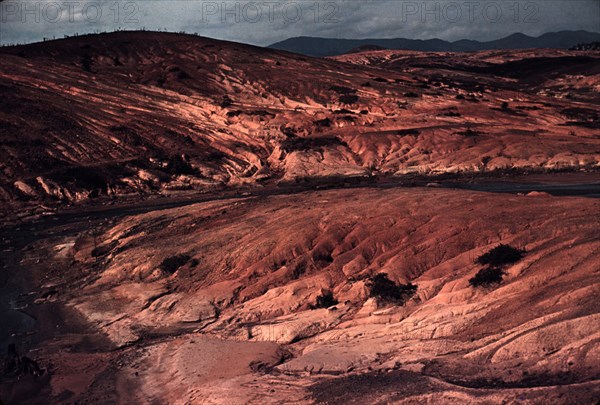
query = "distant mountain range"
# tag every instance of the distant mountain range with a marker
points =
(331, 46)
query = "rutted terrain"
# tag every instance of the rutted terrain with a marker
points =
(218, 302)
(157, 113)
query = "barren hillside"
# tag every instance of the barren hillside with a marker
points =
(238, 282)
(153, 113)
(295, 257)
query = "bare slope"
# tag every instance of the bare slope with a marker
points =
(140, 112)
(243, 276)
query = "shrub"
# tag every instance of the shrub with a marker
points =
(325, 122)
(343, 111)
(411, 94)
(504, 105)
(234, 113)
(177, 165)
(288, 131)
(385, 290)
(295, 143)
(325, 300)
(501, 255)
(451, 113)
(348, 98)
(343, 90)
(226, 101)
(469, 133)
(487, 277)
(409, 131)
(183, 75)
(87, 62)
(171, 264)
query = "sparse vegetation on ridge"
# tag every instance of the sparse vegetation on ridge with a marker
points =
(296, 143)
(387, 291)
(325, 300)
(487, 277)
(501, 255)
(171, 264)
(495, 260)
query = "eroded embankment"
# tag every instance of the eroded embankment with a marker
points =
(179, 289)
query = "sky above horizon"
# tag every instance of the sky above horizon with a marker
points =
(265, 22)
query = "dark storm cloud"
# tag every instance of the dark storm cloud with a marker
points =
(264, 22)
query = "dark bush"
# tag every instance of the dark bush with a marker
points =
(380, 80)
(460, 97)
(226, 101)
(177, 165)
(583, 117)
(171, 264)
(408, 131)
(325, 300)
(384, 289)
(88, 178)
(325, 122)
(504, 105)
(295, 143)
(262, 113)
(288, 131)
(501, 255)
(183, 75)
(451, 114)
(469, 133)
(343, 90)
(487, 277)
(87, 62)
(348, 98)
(411, 94)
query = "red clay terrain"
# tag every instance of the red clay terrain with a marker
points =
(276, 299)
(156, 113)
(253, 282)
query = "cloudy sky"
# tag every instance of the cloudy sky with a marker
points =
(263, 22)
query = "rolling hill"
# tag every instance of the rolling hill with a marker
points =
(331, 47)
